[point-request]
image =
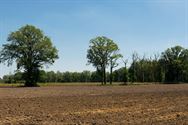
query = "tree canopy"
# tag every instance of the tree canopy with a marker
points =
(31, 50)
(101, 53)
(175, 64)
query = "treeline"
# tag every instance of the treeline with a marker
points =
(171, 66)
(62, 77)
(51, 76)
(1, 80)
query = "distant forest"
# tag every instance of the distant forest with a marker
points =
(171, 66)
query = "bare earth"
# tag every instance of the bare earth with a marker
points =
(95, 105)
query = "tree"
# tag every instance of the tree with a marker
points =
(1, 80)
(67, 76)
(185, 65)
(174, 62)
(125, 72)
(95, 76)
(8, 78)
(85, 76)
(51, 76)
(121, 75)
(31, 49)
(99, 53)
(132, 69)
(18, 76)
(42, 76)
(59, 76)
(113, 60)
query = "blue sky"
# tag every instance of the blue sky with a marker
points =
(145, 26)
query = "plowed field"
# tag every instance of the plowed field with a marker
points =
(95, 105)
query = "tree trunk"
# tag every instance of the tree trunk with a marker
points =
(104, 75)
(31, 78)
(111, 76)
(102, 78)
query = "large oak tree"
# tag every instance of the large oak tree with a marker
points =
(31, 50)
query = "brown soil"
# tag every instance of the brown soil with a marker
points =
(95, 105)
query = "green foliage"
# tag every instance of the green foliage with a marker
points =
(121, 75)
(8, 79)
(15, 78)
(85, 76)
(132, 69)
(145, 70)
(1, 80)
(42, 76)
(113, 60)
(103, 52)
(31, 50)
(51, 76)
(174, 61)
(170, 67)
(96, 76)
